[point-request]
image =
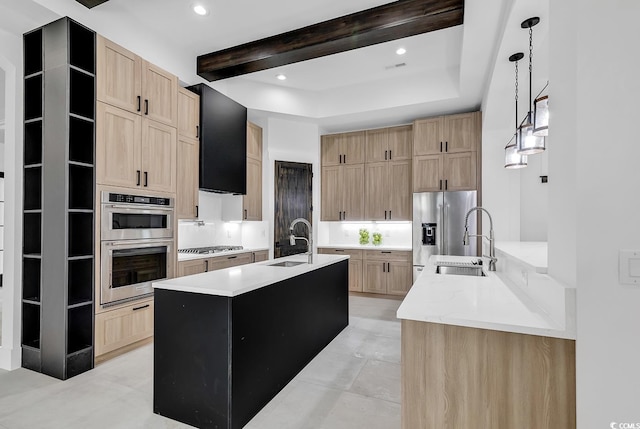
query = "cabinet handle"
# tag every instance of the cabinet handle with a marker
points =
(232, 257)
(390, 157)
(385, 155)
(146, 107)
(206, 266)
(197, 131)
(389, 214)
(446, 146)
(344, 215)
(245, 213)
(388, 267)
(385, 251)
(137, 177)
(141, 307)
(339, 250)
(384, 267)
(344, 158)
(441, 184)
(197, 211)
(446, 184)
(440, 146)
(139, 101)
(385, 215)
(146, 179)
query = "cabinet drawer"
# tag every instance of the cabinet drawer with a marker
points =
(123, 326)
(261, 255)
(387, 255)
(354, 253)
(220, 262)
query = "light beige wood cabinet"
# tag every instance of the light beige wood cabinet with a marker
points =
(188, 114)
(252, 201)
(194, 266)
(389, 144)
(261, 255)
(388, 190)
(446, 153)
(342, 192)
(134, 152)
(125, 80)
(387, 272)
(355, 265)
(458, 377)
(187, 180)
(123, 326)
(343, 149)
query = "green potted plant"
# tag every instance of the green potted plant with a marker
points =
(364, 236)
(377, 238)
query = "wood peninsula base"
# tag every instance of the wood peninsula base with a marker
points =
(457, 377)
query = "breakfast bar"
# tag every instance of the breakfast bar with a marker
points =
(227, 341)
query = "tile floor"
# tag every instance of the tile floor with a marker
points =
(353, 383)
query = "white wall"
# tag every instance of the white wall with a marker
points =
(595, 162)
(534, 200)
(11, 63)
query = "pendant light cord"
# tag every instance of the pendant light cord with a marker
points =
(516, 96)
(530, 70)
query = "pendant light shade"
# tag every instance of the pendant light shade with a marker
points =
(527, 142)
(513, 159)
(541, 116)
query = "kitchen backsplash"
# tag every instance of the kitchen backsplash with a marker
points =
(347, 233)
(212, 230)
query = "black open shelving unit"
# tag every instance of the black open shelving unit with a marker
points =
(59, 186)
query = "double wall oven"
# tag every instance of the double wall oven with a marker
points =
(136, 245)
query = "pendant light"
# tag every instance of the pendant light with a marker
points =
(541, 116)
(513, 159)
(528, 143)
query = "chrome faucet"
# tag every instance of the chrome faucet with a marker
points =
(492, 249)
(293, 238)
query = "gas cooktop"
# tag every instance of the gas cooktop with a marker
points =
(210, 249)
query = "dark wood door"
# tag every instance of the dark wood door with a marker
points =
(293, 199)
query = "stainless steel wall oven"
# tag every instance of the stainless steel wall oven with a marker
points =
(136, 246)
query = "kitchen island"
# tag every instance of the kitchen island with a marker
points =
(227, 341)
(481, 351)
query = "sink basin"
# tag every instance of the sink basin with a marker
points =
(460, 271)
(286, 264)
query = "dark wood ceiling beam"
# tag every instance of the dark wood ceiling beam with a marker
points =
(392, 21)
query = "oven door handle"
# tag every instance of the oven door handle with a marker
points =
(139, 209)
(134, 245)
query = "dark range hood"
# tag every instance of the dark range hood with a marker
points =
(223, 142)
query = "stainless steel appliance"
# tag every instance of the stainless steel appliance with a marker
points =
(209, 249)
(131, 217)
(136, 247)
(438, 225)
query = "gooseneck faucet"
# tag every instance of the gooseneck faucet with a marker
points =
(293, 238)
(492, 249)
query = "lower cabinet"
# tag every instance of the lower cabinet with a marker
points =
(387, 272)
(123, 326)
(203, 265)
(355, 265)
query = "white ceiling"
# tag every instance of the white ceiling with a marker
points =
(446, 71)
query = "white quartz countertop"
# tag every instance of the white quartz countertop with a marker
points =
(192, 256)
(365, 247)
(476, 302)
(245, 278)
(532, 253)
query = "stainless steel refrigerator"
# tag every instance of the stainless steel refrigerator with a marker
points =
(438, 225)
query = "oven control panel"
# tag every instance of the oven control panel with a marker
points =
(138, 199)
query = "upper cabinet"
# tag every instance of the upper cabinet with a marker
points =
(188, 114)
(134, 152)
(343, 149)
(252, 201)
(447, 134)
(446, 153)
(389, 144)
(126, 81)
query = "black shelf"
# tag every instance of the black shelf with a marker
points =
(32, 234)
(31, 325)
(33, 97)
(81, 140)
(33, 52)
(33, 188)
(80, 281)
(82, 94)
(80, 234)
(31, 279)
(80, 333)
(33, 142)
(80, 187)
(82, 47)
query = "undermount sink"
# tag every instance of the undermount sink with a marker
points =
(460, 271)
(286, 264)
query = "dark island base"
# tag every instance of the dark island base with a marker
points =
(219, 360)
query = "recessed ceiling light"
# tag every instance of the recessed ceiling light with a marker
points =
(401, 51)
(200, 10)
(281, 77)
